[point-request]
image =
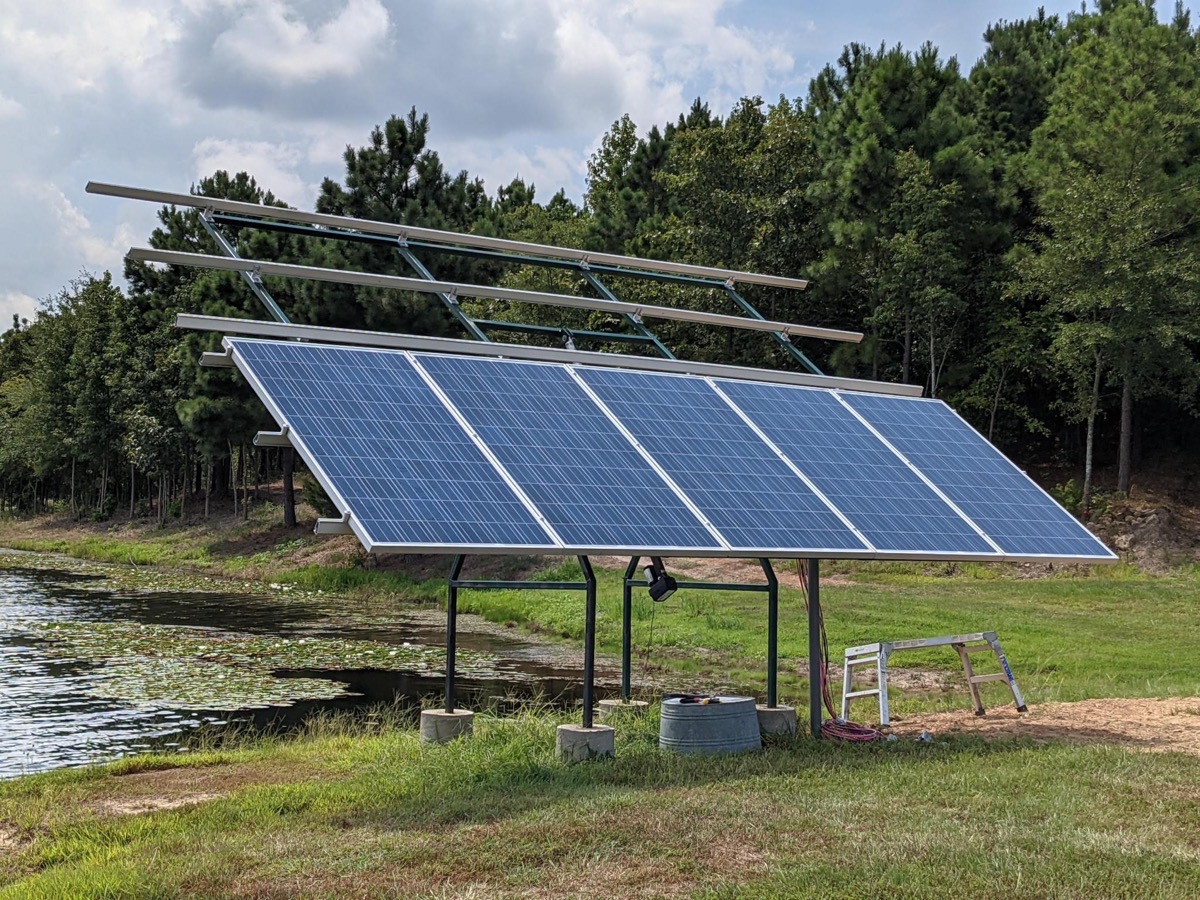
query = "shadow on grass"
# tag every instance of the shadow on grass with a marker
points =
(504, 772)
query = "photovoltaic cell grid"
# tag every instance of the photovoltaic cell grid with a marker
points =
(882, 496)
(582, 474)
(736, 480)
(388, 446)
(994, 493)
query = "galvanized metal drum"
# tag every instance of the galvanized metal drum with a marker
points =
(729, 725)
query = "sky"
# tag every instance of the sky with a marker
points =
(160, 94)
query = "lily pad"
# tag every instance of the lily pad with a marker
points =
(191, 684)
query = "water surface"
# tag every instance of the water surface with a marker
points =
(58, 711)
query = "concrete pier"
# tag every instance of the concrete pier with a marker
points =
(777, 720)
(441, 727)
(575, 743)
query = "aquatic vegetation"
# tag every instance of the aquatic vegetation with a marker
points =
(200, 685)
(205, 668)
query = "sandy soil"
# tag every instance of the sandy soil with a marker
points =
(1154, 726)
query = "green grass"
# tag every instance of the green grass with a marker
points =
(1114, 632)
(361, 815)
(361, 809)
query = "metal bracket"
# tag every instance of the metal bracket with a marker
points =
(273, 438)
(212, 360)
(730, 283)
(333, 526)
(402, 239)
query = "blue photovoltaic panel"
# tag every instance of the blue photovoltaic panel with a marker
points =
(581, 473)
(387, 445)
(735, 479)
(998, 497)
(874, 489)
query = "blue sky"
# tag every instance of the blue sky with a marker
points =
(159, 94)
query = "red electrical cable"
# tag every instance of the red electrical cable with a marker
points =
(834, 726)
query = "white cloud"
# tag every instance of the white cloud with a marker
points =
(18, 304)
(10, 108)
(274, 166)
(73, 45)
(269, 39)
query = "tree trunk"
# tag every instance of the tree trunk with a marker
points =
(1125, 455)
(245, 483)
(1086, 499)
(996, 403)
(74, 509)
(289, 493)
(233, 480)
(907, 360)
(208, 487)
(132, 489)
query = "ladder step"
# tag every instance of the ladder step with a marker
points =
(861, 662)
(873, 692)
(998, 676)
(979, 648)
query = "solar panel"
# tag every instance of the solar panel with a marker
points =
(1016, 513)
(736, 480)
(885, 500)
(582, 473)
(384, 446)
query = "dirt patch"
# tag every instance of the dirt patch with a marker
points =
(142, 792)
(1155, 726)
(9, 840)
(152, 804)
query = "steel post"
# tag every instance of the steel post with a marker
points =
(772, 633)
(589, 642)
(452, 628)
(815, 662)
(627, 630)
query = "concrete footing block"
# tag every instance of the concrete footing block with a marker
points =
(614, 710)
(777, 720)
(576, 743)
(441, 727)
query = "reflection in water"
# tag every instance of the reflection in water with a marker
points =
(49, 719)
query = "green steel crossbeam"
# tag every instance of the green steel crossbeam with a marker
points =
(251, 278)
(451, 302)
(588, 271)
(781, 339)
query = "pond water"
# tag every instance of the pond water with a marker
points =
(90, 673)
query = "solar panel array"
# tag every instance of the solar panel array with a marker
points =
(447, 453)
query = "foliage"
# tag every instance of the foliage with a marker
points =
(1021, 240)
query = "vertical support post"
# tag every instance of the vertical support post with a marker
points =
(452, 628)
(816, 671)
(589, 642)
(772, 633)
(627, 630)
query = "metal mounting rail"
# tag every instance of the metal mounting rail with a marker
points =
(395, 282)
(444, 237)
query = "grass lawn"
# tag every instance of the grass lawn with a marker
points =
(367, 815)
(360, 809)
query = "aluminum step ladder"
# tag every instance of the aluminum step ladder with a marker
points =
(965, 644)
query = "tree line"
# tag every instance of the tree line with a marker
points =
(1020, 238)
